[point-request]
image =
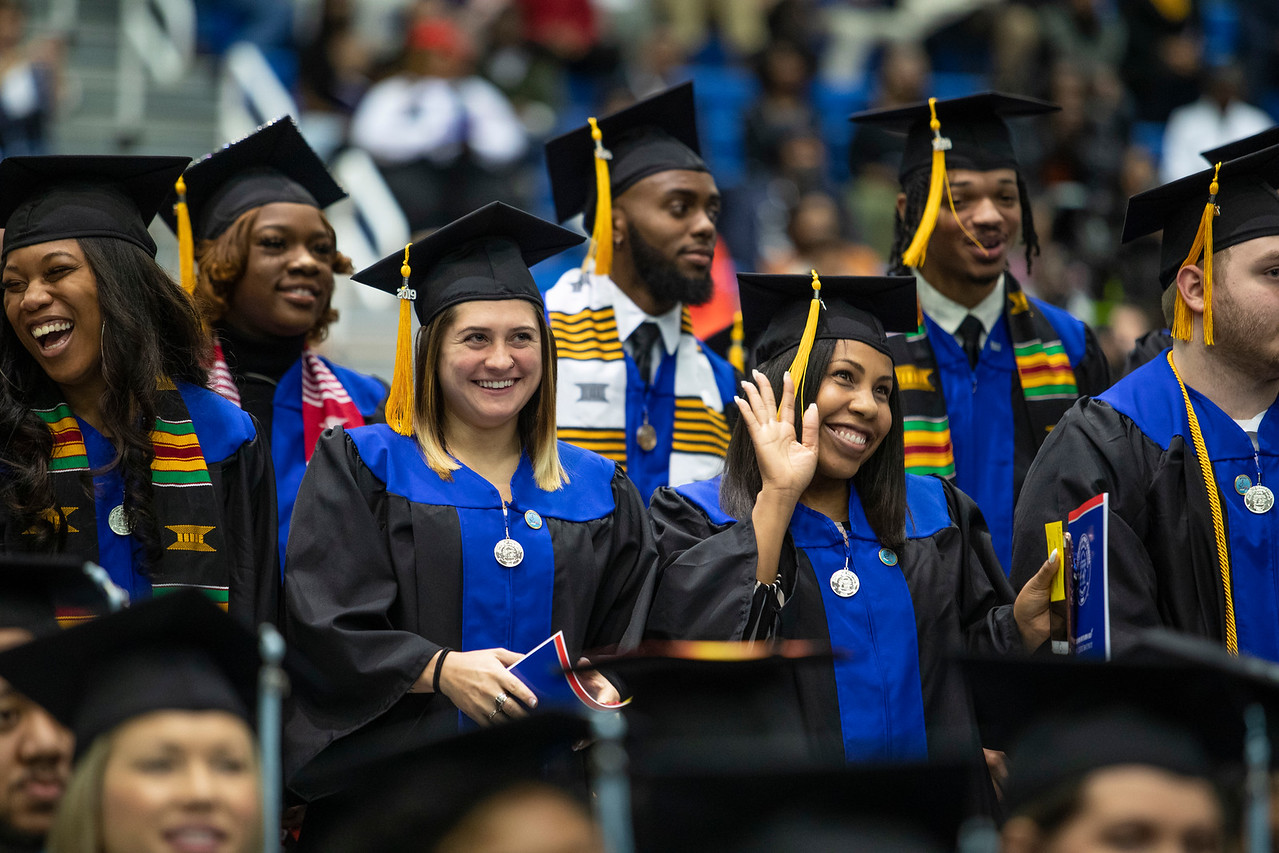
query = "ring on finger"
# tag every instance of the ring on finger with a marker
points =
(500, 699)
(495, 713)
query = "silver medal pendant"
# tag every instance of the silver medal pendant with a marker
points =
(845, 583)
(120, 524)
(508, 553)
(1258, 499)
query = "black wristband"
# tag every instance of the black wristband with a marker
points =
(439, 665)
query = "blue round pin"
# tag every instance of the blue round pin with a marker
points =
(1242, 483)
(533, 520)
(887, 557)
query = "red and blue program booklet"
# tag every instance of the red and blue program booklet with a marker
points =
(548, 672)
(1089, 588)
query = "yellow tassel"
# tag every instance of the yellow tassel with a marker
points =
(799, 366)
(1182, 327)
(601, 251)
(186, 241)
(736, 352)
(918, 248)
(399, 402)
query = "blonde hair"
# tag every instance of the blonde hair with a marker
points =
(77, 827)
(536, 424)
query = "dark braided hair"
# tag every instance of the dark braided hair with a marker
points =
(150, 330)
(915, 186)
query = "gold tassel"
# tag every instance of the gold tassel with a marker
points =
(918, 248)
(736, 352)
(1182, 326)
(799, 366)
(186, 241)
(399, 402)
(601, 251)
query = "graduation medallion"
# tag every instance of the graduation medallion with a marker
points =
(646, 437)
(1259, 499)
(887, 557)
(121, 526)
(1242, 482)
(532, 519)
(508, 553)
(845, 583)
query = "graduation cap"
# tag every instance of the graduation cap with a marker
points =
(62, 197)
(176, 652)
(782, 311)
(394, 794)
(956, 133)
(272, 164)
(1242, 147)
(657, 134)
(40, 592)
(1173, 702)
(485, 255)
(1201, 214)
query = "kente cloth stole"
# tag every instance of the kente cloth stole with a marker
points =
(184, 500)
(1043, 367)
(325, 401)
(591, 385)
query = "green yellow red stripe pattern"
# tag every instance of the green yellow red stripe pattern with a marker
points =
(590, 334)
(928, 446)
(1045, 371)
(69, 453)
(178, 459)
(699, 428)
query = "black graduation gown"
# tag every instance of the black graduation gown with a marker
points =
(377, 576)
(960, 598)
(1133, 441)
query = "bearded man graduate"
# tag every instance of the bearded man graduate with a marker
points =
(1188, 444)
(990, 370)
(635, 385)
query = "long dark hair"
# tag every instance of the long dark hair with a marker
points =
(880, 482)
(150, 330)
(916, 189)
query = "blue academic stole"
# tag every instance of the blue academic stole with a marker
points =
(873, 635)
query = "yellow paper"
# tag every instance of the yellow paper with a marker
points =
(1056, 539)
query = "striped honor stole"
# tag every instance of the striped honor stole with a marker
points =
(592, 379)
(1047, 380)
(184, 501)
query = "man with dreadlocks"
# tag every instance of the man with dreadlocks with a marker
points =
(990, 370)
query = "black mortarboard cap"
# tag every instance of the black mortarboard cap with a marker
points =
(272, 164)
(484, 255)
(858, 308)
(1247, 208)
(61, 197)
(177, 652)
(1242, 147)
(394, 794)
(657, 134)
(974, 124)
(792, 808)
(39, 592)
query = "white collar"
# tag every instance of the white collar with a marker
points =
(629, 316)
(948, 314)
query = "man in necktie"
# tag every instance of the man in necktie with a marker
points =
(658, 398)
(990, 370)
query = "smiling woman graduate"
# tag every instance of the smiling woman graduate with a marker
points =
(114, 450)
(431, 552)
(264, 261)
(815, 531)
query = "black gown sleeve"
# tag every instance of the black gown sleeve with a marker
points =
(1092, 374)
(1095, 449)
(627, 565)
(339, 588)
(984, 597)
(248, 500)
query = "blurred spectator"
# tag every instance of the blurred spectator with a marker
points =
(446, 140)
(29, 83)
(785, 72)
(1084, 31)
(1136, 264)
(1259, 49)
(817, 241)
(333, 74)
(529, 74)
(1162, 64)
(1219, 116)
(741, 24)
(1119, 335)
(659, 64)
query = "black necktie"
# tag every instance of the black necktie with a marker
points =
(970, 338)
(641, 341)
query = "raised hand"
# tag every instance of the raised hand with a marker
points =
(786, 463)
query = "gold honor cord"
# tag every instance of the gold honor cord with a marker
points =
(1214, 501)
